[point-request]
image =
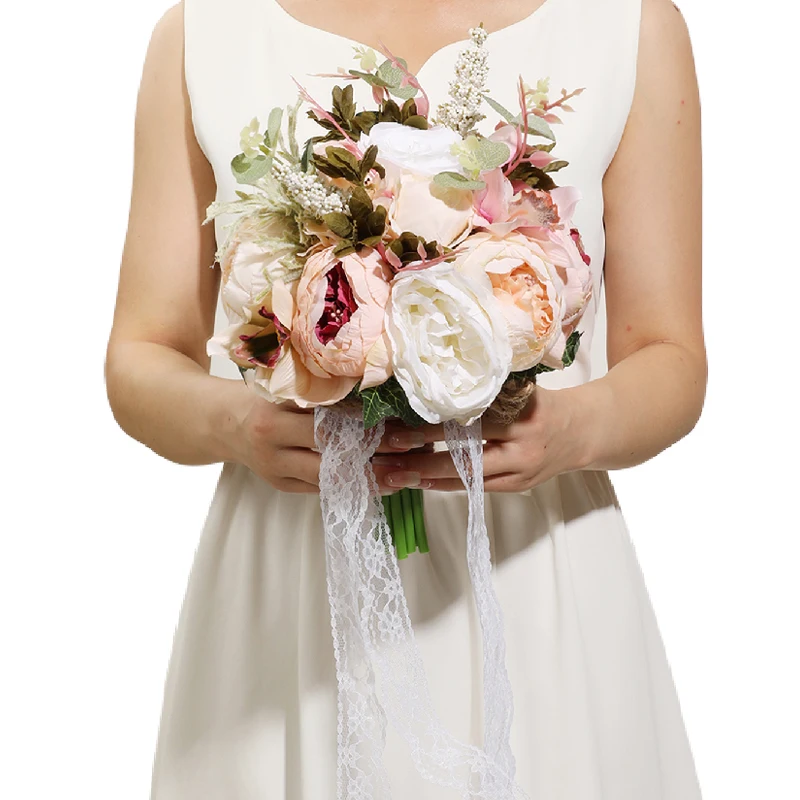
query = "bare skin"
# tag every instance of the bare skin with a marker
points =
(157, 371)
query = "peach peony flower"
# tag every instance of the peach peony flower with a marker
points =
(262, 345)
(527, 284)
(339, 321)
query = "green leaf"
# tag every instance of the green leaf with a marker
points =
(454, 180)
(404, 92)
(388, 400)
(274, 125)
(532, 372)
(375, 408)
(571, 348)
(371, 79)
(339, 223)
(308, 151)
(249, 170)
(502, 111)
(360, 203)
(368, 160)
(416, 121)
(489, 154)
(344, 248)
(538, 126)
(392, 78)
(555, 166)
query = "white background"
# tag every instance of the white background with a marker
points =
(98, 533)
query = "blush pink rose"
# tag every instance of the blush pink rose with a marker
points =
(338, 325)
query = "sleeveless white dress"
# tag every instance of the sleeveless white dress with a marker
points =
(250, 698)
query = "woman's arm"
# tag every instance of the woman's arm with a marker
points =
(654, 390)
(156, 366)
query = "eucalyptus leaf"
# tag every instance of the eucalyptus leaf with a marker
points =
(502, 111)
(490, 155)
(537, 125)
(371, 79)
(390, 74)
(404, 92)
(274, 125)
(454, 180)
(249, 170)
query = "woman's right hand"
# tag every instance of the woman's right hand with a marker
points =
(276, 442)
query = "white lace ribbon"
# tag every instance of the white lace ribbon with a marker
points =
(379, 669)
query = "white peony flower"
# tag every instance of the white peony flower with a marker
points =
(424, 152)
(449, 342)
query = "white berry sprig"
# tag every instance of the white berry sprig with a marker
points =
(462, 113)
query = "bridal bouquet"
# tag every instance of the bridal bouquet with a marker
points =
(403, 265)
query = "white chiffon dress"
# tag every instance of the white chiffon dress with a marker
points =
(249, 708)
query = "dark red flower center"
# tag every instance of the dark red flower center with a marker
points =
(263, 348)
(576, 237)
(339, 305)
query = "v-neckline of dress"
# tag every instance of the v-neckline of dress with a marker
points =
(534, 16)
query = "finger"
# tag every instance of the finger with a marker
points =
(294, 430)
(299, 463)
(294, 486)
(404, 437)
(508, 482)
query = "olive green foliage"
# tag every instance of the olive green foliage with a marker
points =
(363, 228)
(406, 248)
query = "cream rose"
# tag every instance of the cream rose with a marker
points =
(528, 287)
(450, 348)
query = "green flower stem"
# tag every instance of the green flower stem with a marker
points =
(408, 520)
(419, 520)
(398, 525)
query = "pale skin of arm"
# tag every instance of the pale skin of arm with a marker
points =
(157, 371)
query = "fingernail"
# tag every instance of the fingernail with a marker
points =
(408, 440)
(386, 461)
(403, 479)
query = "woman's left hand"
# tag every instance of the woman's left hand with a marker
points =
(546, 440)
